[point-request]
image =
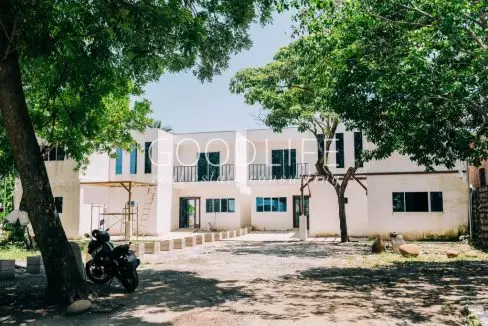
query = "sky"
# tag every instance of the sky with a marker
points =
(182, 102)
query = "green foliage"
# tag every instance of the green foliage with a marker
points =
(82, 61)
(288, 93)
(13, 234)
(411, 74)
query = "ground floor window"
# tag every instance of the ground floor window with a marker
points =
(420, 201)
(58, 203)
(221, 205)
(270, 204)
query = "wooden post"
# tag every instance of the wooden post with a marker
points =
(128, 225)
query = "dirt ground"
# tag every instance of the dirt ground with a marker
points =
(274, 283)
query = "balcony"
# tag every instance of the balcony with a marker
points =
(269, 172)
(190, 173)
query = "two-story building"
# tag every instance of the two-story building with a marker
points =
(228, 179)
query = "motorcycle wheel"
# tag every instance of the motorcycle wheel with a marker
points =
(96, 273)
(130, 280)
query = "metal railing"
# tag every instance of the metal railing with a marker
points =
(189, 173)
(270, 172)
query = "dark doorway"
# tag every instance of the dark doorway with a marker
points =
(296, 210)
(190, 212)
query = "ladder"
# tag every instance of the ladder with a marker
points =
(146, 210)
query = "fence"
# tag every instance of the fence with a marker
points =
(479, 215)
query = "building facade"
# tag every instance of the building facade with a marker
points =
(224, 180)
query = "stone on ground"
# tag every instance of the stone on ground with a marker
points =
(452, 253)
(409, 250)
(78, 307)
(378, 246)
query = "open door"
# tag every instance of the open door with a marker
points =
(296, 210)
(190, 212)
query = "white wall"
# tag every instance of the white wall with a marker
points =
(382, 219)
(324, 209)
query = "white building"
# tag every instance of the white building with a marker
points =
(229, 179)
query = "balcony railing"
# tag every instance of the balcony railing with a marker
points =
(224, 172)
(269, 172)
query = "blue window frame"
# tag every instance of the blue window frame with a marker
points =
(266, 204)
(118, 161)
(223, 205)
(133, 160)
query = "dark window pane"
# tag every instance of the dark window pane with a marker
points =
(267, 204)
(482, 174)
(282, 204)
(214, 166)
(202, 167)
(52, 154)
(232, 205)
(274, 204)
(358, 148)
(209, 204)
(58, 203)
(60, 154)
(398, 202)
(277, 160)
(147, 157)
(224, 205)
(340, 150)
(216, 205)
(416, 202)
(436, 204)
(259, 204)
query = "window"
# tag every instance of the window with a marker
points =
(417, 202)
(208, 166)
(224, 205)
(284, 163)
(436, 203)
(133, 160)
(147, 157)
(268, 204)
(340, 150)
(53, 154)
(482, 177)
(58, 204)
(118, 161)
(358, 148)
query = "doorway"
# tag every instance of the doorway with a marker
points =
(296, 210)
(190, 212)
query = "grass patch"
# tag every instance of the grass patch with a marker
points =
(13, 252)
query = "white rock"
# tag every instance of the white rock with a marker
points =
(79, 306)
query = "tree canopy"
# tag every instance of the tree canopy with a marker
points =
(411, 74)
(82, 61)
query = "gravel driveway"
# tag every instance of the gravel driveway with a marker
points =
(249, 281)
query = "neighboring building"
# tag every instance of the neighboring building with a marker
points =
(224, 180)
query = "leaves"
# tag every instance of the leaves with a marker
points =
(83, 60)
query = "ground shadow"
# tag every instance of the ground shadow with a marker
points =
(298, 249)
(162, 291)
(413, 292)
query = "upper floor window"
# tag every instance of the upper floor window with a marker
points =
(118, 161)
(58, 204)
(339, 149)
(358, 148)
(133, 160)
(482, 175)
(208, 166)
(147, 157)
(417, 202)
(284, 163)
(53, 153)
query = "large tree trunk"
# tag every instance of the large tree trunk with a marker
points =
(342, 217)
(65, 282)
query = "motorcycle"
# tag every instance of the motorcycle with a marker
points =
(108, 261)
